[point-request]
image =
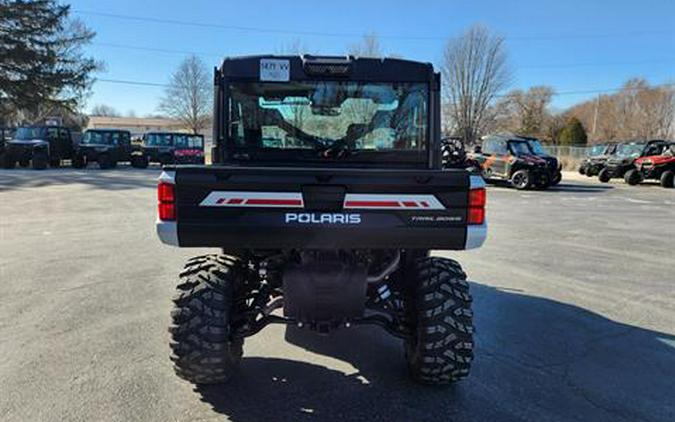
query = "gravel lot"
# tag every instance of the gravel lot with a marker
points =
(574, 301)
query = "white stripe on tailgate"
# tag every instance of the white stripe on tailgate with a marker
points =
(253, 199)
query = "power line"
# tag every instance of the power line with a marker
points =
(127, 82)
(563, 93)
(596, 64)
(155, 49)
(355, 35)
(542, 66)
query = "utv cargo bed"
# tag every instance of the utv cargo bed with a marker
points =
(319, 208)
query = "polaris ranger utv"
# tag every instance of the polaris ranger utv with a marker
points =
(107, 147)
(624, 158)
(656, 167)
(38, 145)
(597, 159)
(169, 148)
(510, 158)
(325, 198)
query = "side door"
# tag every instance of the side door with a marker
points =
(117, 146)
(125, 146)
(54, 144)
(65, 143)
(500, 159)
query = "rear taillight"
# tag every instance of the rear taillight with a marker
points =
(166, 195)
(477, 200)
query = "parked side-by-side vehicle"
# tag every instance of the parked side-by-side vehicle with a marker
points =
(169, 148)
(659, 167)
(625, 155)
(597, 158)
(511, 159)
(39, 147)
(106, 147)
(327, 196)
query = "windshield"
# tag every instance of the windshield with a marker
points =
(29, 133)
(629, 150)
(597, 150)
(189, 141)
(536, 147)
(520, 148)
(159, 139)
(97, 138)
(330, 120)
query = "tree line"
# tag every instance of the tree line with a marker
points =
(45, 72)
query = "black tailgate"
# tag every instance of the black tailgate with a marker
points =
(261, 208)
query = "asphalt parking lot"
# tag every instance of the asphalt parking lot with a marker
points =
(574, 301)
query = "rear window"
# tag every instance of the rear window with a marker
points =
(159, 139)
(330, 120)
(189, 141)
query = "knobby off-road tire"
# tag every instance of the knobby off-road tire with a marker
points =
(139, 162)
(521, 179)
(556, 179)
(632, 177)
(40, 160)
(541, 181)
(668, 179)
(202, 350)
(440, 349)
(105, 162)
(7, 161)
(79, 162)
(604, 176)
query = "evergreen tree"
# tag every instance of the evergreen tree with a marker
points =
(573, 133)
(41, 59)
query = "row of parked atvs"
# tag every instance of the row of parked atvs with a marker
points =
(635, 162)
(48, 146)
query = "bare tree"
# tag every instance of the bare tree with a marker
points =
(532, 109)
(637, 111)
(188, 96)
(369, 46)
(104, 110)
(294, 47)
(474, 71)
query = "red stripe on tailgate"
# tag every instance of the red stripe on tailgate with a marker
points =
(372, 204)
(280, 202)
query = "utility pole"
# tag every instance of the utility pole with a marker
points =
(595, 115)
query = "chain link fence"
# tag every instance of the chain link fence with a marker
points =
(567, 151)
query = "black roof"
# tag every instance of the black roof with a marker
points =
(307, 67)
(107, 130)
(159, 132)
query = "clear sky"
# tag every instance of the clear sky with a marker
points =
(571, 45)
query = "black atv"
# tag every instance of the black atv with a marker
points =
(597, 159)
(323, 222)
(453, 155)
(39, 146)
(107, 147)
(510, 158)
(624, 158)
(168, 148)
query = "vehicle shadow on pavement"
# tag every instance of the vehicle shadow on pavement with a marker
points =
(119, 178)
(536, 359)
(578, 188)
